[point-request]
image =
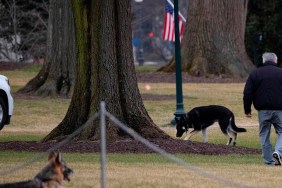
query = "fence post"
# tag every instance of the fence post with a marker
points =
(103, 144)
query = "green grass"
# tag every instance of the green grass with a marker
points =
(146, 68)
(20, 137)
(35, 118)
(32, 68)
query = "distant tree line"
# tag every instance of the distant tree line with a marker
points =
(29, 20)
(264, 29)
(23, 24)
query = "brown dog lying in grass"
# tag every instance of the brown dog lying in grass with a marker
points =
(51, 176)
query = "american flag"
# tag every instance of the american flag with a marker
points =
(168, 29)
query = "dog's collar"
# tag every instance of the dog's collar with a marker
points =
(186, 117)
(41, 179)
(37, 180)
(186, 120)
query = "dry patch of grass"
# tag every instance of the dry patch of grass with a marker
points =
(150, 170)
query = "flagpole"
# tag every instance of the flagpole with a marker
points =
(179, 98)
(182, 17)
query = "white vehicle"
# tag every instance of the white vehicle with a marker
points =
(6, 101)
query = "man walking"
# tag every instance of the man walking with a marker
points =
(263, 89)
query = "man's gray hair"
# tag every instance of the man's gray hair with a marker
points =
(269, 56)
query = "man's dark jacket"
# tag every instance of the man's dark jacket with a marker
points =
(264, 88)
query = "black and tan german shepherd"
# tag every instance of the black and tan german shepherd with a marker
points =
(199, 118)
(51, 176)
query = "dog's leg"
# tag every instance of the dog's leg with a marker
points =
(205, 136)
(235, 139)
(231, 134)
(192, 133)
(229, 138)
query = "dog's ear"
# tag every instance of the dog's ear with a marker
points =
(52, 155)
(177, 119)
(185, 117)
(58, 158)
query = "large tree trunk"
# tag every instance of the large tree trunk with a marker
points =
(57, 74)
(105, 72)
(213, 41)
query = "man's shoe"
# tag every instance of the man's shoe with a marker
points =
(277, 158)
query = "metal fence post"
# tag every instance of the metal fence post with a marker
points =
(103, 144)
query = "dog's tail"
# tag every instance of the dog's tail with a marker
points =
(234, 127)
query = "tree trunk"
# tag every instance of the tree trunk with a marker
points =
(169, 67)
(57, 74)
(213, 41)
(105, 72)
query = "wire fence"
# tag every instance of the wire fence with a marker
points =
(54, 148)
(103, 114)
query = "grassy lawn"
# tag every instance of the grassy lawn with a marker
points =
(33, 119)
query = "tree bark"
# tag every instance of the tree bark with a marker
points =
(213, 42)
(105, 72)
(56, 78)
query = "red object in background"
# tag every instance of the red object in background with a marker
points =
(151, 34)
